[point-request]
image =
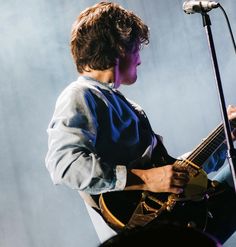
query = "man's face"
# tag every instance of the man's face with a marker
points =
(128, 67)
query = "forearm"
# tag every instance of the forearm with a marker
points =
(134, 182)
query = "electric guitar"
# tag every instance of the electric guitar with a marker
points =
(137, 208)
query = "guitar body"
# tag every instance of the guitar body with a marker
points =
(122, 206)
(138, 208)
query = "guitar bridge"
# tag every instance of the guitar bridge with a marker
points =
(149, 208)
(167, 202)
(154, 199)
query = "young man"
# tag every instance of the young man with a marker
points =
(99, 141)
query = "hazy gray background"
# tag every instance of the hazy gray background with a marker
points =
(175, 87)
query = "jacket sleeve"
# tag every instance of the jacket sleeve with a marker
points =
(71, 158)
(214, 162)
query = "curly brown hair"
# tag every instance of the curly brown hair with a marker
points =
(104, 32)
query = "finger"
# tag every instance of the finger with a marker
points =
(178, 183)
(231, 111)
(179, 179)
(231, 107)
(180, 169)
(176, 190)
(232, 115)
(234, 133)
(181, 176)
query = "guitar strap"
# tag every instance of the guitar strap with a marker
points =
(91, 200)
(160, 156)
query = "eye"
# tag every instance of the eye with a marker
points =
(136, 48)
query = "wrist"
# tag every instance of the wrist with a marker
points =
(133, 178)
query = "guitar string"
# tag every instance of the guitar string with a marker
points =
(213, 136)
(218, 133)
(215, 139)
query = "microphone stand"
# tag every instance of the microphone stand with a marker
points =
(231, 151)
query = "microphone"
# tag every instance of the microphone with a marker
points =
(191, 7)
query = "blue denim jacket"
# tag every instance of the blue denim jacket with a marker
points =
(95, 135)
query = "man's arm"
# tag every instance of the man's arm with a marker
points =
(71, 158)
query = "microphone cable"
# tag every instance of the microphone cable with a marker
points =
(229, 27)
(191, 7)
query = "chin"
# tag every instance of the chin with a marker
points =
(131, 81)
(128, 83)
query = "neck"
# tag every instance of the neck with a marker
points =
(110, 75)
(103, 76)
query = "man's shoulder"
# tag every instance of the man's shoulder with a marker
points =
(79, 87)
(80, 90)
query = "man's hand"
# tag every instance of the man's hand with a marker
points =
(163, 179)
(231, 111)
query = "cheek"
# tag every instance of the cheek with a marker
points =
(125, 64)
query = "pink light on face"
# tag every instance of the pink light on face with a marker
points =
(128, 67)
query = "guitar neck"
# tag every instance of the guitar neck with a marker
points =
(214, 140)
